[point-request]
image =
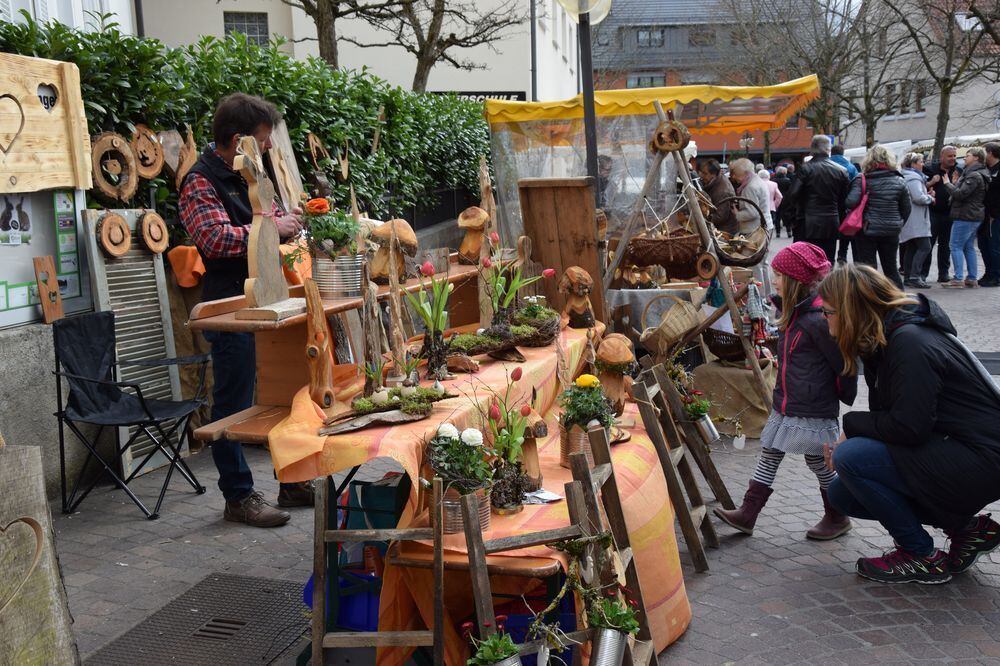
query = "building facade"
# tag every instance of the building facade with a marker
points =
(83, 14)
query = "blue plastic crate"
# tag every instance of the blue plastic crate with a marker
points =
(358, 610)
(517, 626)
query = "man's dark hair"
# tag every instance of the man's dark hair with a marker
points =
(711, 166)
(604, 160)
(838, 149)
(993, 149)
(241, 114)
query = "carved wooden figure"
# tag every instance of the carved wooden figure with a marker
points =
(473, 220)
(266, 284)
(148, 152)
(318, 353)
(615, 360)
(576, 284)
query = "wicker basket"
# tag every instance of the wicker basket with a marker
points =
(728, 347)
(677, 253)
(757, 236)
(676, 322)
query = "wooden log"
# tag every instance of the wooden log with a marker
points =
(488, 204)
(318, 352)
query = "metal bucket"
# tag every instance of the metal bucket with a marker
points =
(707, 429)
(575, 440)
(609, 647)
(339, 277)
(452, 510)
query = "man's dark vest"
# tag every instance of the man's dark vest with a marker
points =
(224, 277)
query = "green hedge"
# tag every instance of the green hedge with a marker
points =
(428, 142)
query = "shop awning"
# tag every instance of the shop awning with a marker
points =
(707, 109)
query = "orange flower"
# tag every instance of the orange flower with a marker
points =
(317, 206)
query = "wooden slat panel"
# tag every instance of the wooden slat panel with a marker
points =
(345, 639)
(360, 536)
(528, 540)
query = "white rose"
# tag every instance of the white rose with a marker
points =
(447, 430)
(472, 437)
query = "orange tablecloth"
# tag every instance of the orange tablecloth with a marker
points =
(300, 454)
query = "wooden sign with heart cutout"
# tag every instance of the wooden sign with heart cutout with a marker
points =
(11, 121)
(8, 557)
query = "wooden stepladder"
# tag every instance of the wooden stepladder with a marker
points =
(675, 461)
(321, 639)
(600, 493)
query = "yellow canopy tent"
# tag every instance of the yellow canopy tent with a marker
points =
(545, 139)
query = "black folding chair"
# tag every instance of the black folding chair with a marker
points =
(85, 357)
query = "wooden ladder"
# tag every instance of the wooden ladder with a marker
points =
(674, 460)
(321, 639)
(600, 489)
(478, 549)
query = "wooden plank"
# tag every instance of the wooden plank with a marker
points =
(35, 626)
(284, 309)
(281, 364)
(482, 593)
(437, 495)
(572, 181)
(601, 474)
(213, 432)
(360, 536)
(48, 288)
(286, 171)
(266, 282)
(581, 636)
(255, 429)
(421, 556)
(504, 544)
(347, 639)
(320, 522)
(77, 134)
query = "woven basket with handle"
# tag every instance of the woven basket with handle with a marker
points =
(675, 323)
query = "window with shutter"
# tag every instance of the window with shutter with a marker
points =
(6, 13)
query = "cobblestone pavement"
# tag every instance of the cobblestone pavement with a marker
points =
(774, 598)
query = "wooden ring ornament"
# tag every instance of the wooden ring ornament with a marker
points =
(113, 235)
(707, 265)
(671, 135)
(120, 163)
(147, 151)
(153, 232)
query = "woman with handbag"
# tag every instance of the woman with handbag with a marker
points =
(884, 213)
(927, 451)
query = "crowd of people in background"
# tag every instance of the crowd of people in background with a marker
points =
(909, 208)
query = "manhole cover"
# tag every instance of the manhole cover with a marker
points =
(222, 620)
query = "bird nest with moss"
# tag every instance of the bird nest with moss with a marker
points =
(525, 335)
(418, 403)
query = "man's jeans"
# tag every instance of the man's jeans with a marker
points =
(868, 486)
(941, 236)
(963, 247)
(234, 372)
(989, 247)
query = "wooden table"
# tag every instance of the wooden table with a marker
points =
(280, 347)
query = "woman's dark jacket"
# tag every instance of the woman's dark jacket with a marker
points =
(809, 382)
(888, 202)
(968, 195)
(940, 420)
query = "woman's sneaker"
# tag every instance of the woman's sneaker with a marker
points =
(899, 566)
(982, 536)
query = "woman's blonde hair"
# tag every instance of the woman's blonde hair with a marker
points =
(793, 292)
(878, 154)
(861, 297)
(910, 159)
(979, 153)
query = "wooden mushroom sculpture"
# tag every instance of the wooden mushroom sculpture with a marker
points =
(473, 219)
(407, 243)
(576, 285)
(615, 360)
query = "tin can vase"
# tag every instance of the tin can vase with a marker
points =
(707, 429)
(575, 440)
(451, 507)
(514, 660)
(609, 647)
(339, 277)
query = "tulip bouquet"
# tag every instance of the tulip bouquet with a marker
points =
(504, 279)
(507, 419)
(435, 317)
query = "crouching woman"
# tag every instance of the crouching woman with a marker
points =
(927, 451)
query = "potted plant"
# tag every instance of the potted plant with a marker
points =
(331, 236)
(697, 406)
(503, 281)
(507, 423)
(461, 460)
(583, 404)
(434, 314)
(497, 649)
(409, 369)
(373, 376)
(613, 621)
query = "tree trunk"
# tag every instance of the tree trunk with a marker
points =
(326, 33)
(767, 149)
(944, 106)
(424, 65)
(870, 132)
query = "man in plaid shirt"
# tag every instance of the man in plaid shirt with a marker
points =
(216, 212)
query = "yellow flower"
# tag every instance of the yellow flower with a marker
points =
(587, 381)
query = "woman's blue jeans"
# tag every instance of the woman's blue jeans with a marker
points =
(963, 247)
(869, 486)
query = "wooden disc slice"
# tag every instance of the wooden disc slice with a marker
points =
(113, 235)
(707, 265)
(671, 135)
(113, 163)
(153, 232)
(148, 152)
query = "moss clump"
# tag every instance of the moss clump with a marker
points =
(418, 403)
(364, 406)
(523, 331)
(533, 311)
(465, 342)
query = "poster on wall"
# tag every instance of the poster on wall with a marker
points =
(15, 219)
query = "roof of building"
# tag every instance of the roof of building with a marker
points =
(667, 12)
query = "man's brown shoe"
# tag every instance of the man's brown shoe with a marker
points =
(255, 512)
(296, 494)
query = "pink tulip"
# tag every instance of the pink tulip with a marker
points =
(494, 412)
(494, 237)
(525, 410)
(549, 272)
(516, 374)
(487, 263)
(427, 269)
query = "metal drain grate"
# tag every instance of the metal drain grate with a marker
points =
(223, 620)
(219, 629)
